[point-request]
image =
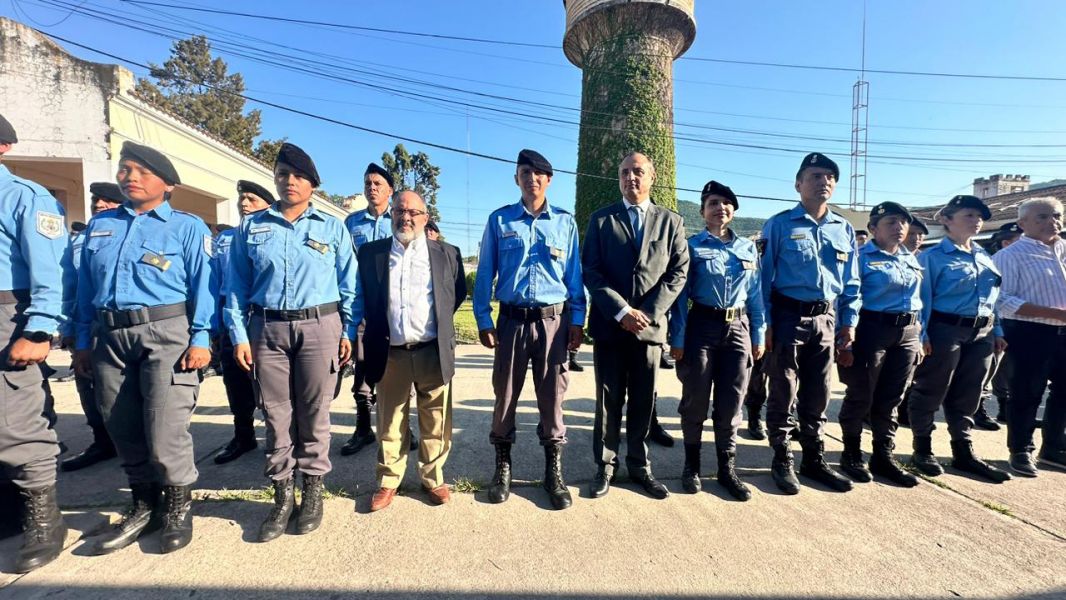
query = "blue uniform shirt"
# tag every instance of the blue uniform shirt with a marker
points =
(132, 260)
(720, 275)
(811, 261)
(959, 282)
(35, 252)
(891, 283)
(76, 244)
(286, 266)
(219, 267)
(365, 228)
(535, 260)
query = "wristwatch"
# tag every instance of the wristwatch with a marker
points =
(37, 336)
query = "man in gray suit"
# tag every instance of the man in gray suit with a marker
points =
(635, 262)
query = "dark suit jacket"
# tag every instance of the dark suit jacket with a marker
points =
(449, 292)
(618, 274)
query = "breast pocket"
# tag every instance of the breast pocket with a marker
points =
(259, 244)
(798, 253)
(158, 257)
(321, 247)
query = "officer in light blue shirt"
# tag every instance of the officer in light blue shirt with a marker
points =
(35, 283)
(878, 366)
(103, 196)
(530, 249)
(810, 281)
(716, 340)
(290, 294)
(370, 224)
(144, 294)
(251, 198)
(960, 332)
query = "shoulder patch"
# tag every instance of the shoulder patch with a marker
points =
(50, 225)
(209, 246)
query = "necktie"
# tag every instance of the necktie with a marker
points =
(638, 224)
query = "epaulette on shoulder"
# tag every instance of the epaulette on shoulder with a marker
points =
(189, 214)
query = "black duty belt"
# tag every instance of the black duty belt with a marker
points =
(414, 346)
(886, 318)
(803, 309)
(719, 314)
(14, 297)
(960, 321)
(298, 314)
(532, 313)
(121, 319)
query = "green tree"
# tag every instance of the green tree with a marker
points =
(414, 172)
(197, 87)
(266, 150)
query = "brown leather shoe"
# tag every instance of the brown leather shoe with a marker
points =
(382, 498)
(439, 495)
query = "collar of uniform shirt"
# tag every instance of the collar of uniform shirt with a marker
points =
(705, 236)
(949, 246)
(162, 212)
(871, 248)
(545, 212)
(800, 212)
(366, 216)
(310, 213)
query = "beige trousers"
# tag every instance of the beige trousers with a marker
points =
(420, 368)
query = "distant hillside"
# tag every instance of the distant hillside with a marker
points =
(690, 211)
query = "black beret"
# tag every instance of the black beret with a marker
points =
(917, 224)
(293, 156)
(970, 202)
(376, 168)
(1010, 228)
(890, 208)
(536, 160)
(817, 159)
(250, 187)
(152, 159)
(713, 188)
(107, 191)
(7, 132)
(77, 227)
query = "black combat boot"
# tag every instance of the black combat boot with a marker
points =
(500, 490)
(139, 518)
(981, 420)
(43, 529)
(851, 461)
(100, 450)
(574, 365)
(364, 435)
(310, 516)
(783, 469)
(690, 473)
(278, 519)
(884, 464)
(963, 459)
(727, 477)
(814, 466)
(923, 458)
(177, 522)
(755, 427)
(553, 477)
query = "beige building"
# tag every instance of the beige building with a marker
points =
(72, 117)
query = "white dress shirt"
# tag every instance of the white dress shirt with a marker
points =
(411, 315)
(643, 208)
(1033, 273)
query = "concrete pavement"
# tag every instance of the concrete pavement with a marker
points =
(960, 538)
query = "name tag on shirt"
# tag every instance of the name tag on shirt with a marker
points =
(748, 265)
(557, 253)
(316, 245)
(799, 236)
(877, 263)
(263, 229)
(157, 261)
(842, 256)
(509, 234)
(101, 234)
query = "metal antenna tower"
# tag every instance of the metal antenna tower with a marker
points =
(860, 124)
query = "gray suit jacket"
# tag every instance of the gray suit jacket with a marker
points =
(449, 292)
(619, 274)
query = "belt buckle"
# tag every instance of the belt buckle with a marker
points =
(730, 314)
(903, 319)
(982, 322)
(820, 307)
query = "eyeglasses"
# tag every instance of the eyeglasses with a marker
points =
(410, 212)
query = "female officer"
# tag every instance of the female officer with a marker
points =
(959, 334)
(715, 340)
(880, 363)
(291, 285)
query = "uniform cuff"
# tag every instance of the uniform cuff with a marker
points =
(201, 339)
(622, 313)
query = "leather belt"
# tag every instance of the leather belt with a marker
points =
(414, 346)
(14, 297)
(960, 321)
(886, 318)
(723, 314)
(122, 319)
(804, 309)
(1056, 329)
(532, 313)
(297, 314)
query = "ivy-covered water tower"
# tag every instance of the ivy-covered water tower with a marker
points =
(626, 50)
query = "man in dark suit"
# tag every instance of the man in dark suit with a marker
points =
(408, 290)
(635, 262)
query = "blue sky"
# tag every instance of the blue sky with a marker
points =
(906, 112)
